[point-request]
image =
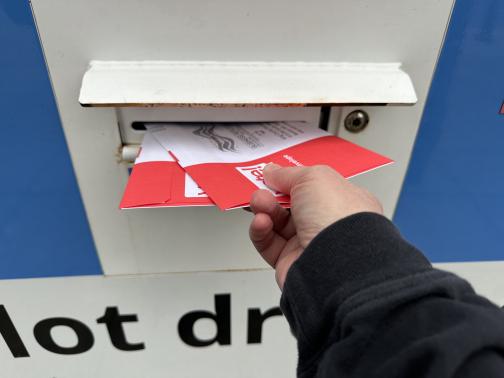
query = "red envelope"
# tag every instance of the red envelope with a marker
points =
(158, 181)
(227, 160)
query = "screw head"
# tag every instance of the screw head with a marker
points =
(356, 121)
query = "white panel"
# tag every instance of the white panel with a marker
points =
(145, 83)
(159, 302)
(73, 33)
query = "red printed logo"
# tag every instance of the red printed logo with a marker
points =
(254, 174)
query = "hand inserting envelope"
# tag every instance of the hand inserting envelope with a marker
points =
(197, 164)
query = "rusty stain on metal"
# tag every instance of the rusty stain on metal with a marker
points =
(225, 105)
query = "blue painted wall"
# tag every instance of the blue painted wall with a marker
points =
(452, 203)
(43, 227)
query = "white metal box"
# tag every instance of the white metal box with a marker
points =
(74, 33)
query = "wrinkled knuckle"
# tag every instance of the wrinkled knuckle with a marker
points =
(322, 169)
(316, 172)
(304, 175)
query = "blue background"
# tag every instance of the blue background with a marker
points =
(452, 202)
(43, 226)
(451, 206)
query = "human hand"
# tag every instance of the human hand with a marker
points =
(319, 197)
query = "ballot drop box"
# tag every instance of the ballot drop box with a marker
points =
(117, 65)
(183, 292)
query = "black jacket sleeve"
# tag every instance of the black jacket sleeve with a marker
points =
(362, 302)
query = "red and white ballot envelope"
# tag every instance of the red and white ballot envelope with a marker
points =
(158, 181)
(226, 160)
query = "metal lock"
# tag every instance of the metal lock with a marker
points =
(356, 121)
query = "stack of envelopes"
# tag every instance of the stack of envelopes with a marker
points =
(205, 164)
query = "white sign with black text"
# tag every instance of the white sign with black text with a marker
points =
(224, 324)
(220, 324)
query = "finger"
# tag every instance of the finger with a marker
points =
(285, 260)
(282, 179)
(264, 202)
(267, 242)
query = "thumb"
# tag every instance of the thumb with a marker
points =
(282, 179)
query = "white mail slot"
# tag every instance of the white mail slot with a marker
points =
(237, 91)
